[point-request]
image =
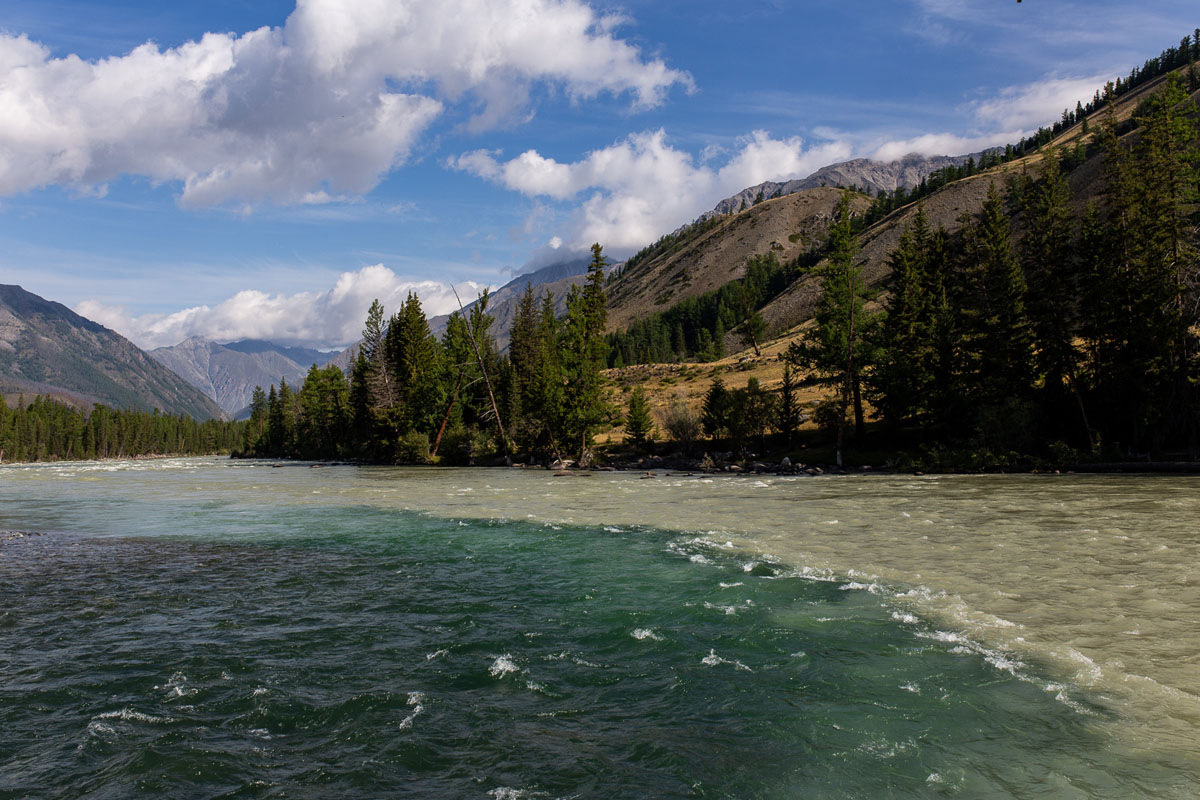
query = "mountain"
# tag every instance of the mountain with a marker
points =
(869, 176)
(228, 373)
(713, 251)
(556, 278)
(46, 348)
(305, 356)
(705, 257)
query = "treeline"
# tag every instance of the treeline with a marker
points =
(412, 398)
(694, 329)
(47, 430)
(1034, 324)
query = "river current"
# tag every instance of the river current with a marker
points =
(214, 628)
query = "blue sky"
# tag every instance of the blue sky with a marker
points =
(232, 168)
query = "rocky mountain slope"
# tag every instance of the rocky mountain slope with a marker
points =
(714, 255)
(46, 348)
(869, 176)
(228, 373)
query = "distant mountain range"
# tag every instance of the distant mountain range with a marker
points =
(502, 304)
(228, 373)
(46, 348)
(869, 176)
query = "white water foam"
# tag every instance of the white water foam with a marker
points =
(502, 666)
(641, 634)
(129, 715)
(415, 701)
(714, 660)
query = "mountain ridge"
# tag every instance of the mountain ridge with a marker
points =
(228, 373)
(46, 348)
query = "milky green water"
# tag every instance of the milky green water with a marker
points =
(207, 628)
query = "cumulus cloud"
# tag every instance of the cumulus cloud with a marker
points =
(943, 144)
(1038, 104)
(641, 187)
(324, 105)
(1008, 116)
(329, 319)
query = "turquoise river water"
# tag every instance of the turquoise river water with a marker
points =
(204, 628)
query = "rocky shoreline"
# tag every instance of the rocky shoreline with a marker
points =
(10, 536)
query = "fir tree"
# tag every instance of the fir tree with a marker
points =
(639, 424)
(904, 375)
(585, 354)
(714, 414)
(787, 407)
(996, 343)
(1048, 256)
(837, 350)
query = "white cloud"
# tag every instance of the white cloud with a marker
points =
(333, 318)
(325, 105)
(943, 144)
(1038, 104)
(641, 187)
(1005, 118)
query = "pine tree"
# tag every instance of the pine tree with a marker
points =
(379, 379)
(787, 407)
(714, 414)
(413, 357)
(1049, 260)
(836, 351)
(258, 420)
(585, 354)
(996, 352)
(904, 375)
(639, 424)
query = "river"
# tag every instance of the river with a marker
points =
(215, 628)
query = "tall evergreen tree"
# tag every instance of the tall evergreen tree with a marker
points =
(716, 410)
(585, 354)
(638, 422)
(904, 375)
(787, 407)
(258, 420)
(996, 343)
(379, 380)
(413, 357)
(1050, 263)
(837, 350)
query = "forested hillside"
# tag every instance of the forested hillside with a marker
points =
(1041, 303)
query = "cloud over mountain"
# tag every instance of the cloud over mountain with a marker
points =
(325, 105)
(328, 319)
(642, 186)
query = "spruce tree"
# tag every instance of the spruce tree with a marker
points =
(379, 378)
(413, 357)
(903, 377)
(997, 339)
(837, 350)
(585, 354)
(787, 407)
(258, 421)
(638, 422)
(1048, 256)
(715, 412)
